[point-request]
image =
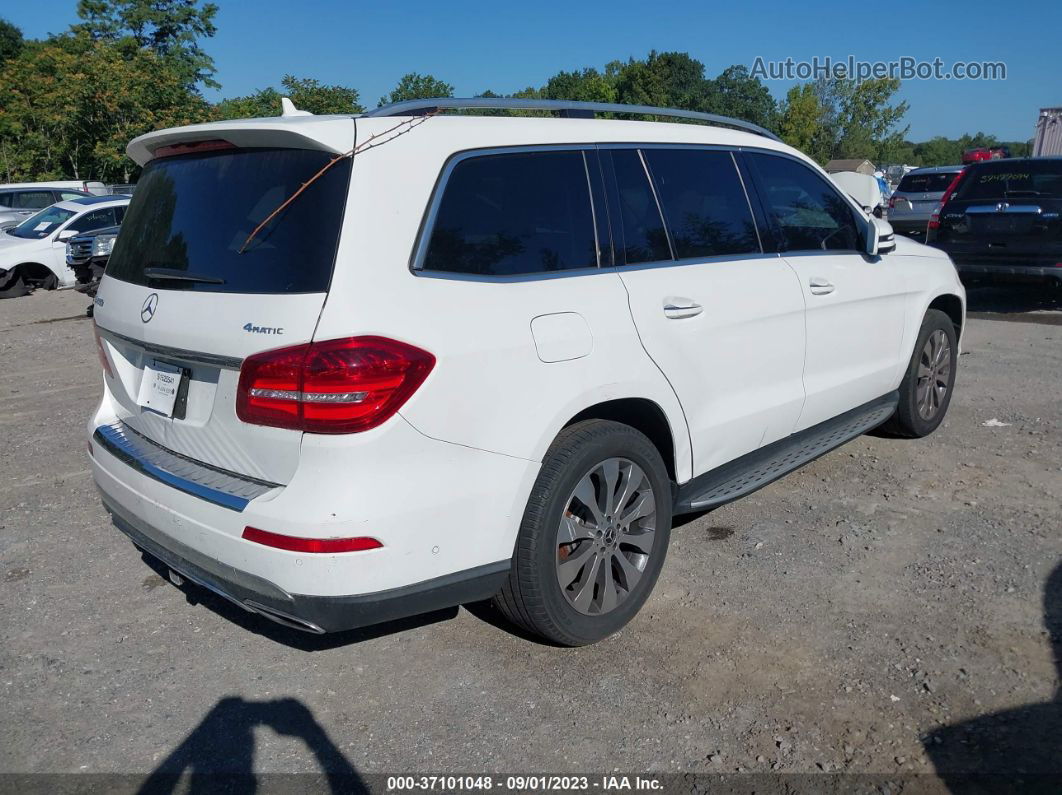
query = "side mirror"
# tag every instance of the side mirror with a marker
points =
(880, 239)
(65, 235)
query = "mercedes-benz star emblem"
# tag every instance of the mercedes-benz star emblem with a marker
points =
(147, 311)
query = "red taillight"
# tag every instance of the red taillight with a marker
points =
(934, 220)
(215, 145)
(312, 545)
(105, 363)
(336, 386)
(892, 202)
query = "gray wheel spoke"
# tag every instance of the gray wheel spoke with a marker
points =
(569, 569)
(609, 596)
(573, 529)
(643, 541)
(631, 573)
(585, 593)
(585, 494)
(643, 506)
(633, 480)
(610, 474)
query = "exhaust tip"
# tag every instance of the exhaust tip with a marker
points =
(292, 622)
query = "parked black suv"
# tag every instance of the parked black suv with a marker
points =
(1003, 220)
(87, 256)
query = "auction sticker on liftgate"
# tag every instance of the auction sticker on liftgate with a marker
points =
(158, 387)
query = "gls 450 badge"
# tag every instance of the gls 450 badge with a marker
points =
(251, 328)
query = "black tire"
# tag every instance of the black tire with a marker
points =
(12, 285)
(532, 598)
(908, 421)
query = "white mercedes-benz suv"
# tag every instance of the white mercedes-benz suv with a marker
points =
(360, 368)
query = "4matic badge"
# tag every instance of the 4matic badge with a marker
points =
(251, 328)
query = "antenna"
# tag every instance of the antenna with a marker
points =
(288, 108)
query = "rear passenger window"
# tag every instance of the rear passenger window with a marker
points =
(809, 212)
(643, 235)
(703, 201)
(502, 215)
(33, 200)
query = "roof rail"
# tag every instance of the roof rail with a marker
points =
(566, 108)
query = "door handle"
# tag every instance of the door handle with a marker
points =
(678, 308)
(821, 287)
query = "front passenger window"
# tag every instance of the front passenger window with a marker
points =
(809, 212)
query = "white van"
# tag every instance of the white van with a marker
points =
(359, 368)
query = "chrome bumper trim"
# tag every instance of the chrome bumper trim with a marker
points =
(209, 483)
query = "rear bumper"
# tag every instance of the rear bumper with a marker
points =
(317, 614)
(909, 225)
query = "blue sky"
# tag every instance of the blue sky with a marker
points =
(506, 47)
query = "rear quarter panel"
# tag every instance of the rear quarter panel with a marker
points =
(489, 389)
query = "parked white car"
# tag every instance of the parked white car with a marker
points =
(83, 186)
(18, 204)
(492, 358)
(33, 253)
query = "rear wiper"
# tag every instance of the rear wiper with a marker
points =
(173, 274)
(1023, 193)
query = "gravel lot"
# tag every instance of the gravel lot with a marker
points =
(891, 597)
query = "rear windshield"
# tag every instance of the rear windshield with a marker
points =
(926, 183)
(1005, 179)
(193, 213)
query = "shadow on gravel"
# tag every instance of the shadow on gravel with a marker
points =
(293, 638)
(1017, 750)
(1012, 301)
(218, 756)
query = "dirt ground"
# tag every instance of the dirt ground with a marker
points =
(886, 610)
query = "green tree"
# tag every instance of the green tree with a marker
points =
(306, 94)
(417, 86)
(669, 79)
(737, 94)
(169, 28)
(11, 41)
(69, 106)
(803, 123)
(589, 85)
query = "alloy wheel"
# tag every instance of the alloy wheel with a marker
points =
(605, 536)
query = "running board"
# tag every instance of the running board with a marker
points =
(760, 467)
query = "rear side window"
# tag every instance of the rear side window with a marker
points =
(510, 214)
(809, 212)
(1005, 179)
(642, 235)
(926, 183)
(96, 219)
(703, 201)
(195, 213)
(33, 199)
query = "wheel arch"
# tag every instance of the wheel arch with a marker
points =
(643, 415)
(952, 306)
(36, 272)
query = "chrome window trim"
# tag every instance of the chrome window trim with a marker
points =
(427, 224)
(656, 199)
(748, 200)
(593, 210)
